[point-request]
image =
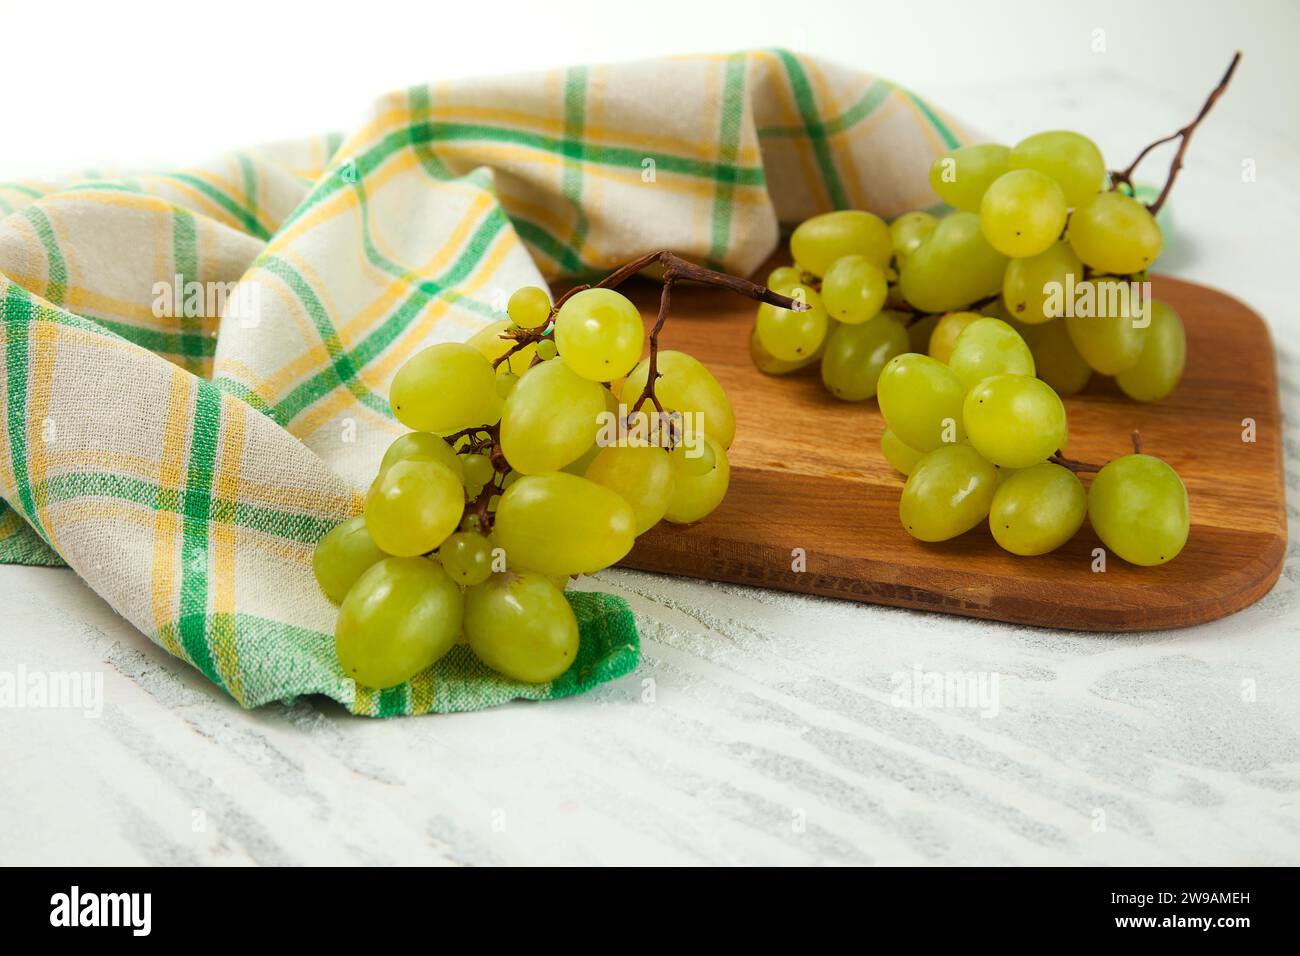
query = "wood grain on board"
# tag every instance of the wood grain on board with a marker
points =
(807, 472)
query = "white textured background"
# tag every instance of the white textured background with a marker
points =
(759, 728)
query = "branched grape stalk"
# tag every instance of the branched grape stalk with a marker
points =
(1079, 467)
(1184, 135)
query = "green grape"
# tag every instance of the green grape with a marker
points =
(921, 400)
(791, 335)
(1109, 331)
(1071, 159)
(688, 387)
(1056, 361)
(989, 347)
(945, 332)
(478, 469)
(1160, 365)
(909, 230)
(961, 176)
(423, 445)
(506, 383)
(1023, 213)
(855, 354)
(919, 331)
(1015, 420)
(529, 307)
(953, 268)
(547, 350)
(599, 333)
(769, 364)
(902, 457)
(561, 524)
(853, 290)
(521, 625)
(947, 493)
(1037, 509)
(817, 242)
(341, 557)
(466, 556)
(696, 495)
(550, 419)
(413, 505)
(1114, 234)
(642, 476)
(694, 461)
(400, 618)
(1138, 507)
(489, 343)
(445, 388)
(1033, 287)
(783, 278)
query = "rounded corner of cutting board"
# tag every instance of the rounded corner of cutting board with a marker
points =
(790, 488)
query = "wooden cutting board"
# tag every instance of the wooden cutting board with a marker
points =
(807, 473)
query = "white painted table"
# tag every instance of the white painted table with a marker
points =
(760, 727)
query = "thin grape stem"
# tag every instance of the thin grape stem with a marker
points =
(1183, 135)
(1073, 464)
(1137, 442)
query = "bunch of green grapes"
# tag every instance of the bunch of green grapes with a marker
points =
(522, 470)
(1034, 237)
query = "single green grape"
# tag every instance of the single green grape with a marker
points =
(817, 242)
(1071, 159)
(529, 307)
(909, 230)
(642, 476)
(1056, 361)
(902, 457)
(489, 343)
(684, 384)
(1023, 213)
(988, 347)
(696, 495)
(784, 278)
(599, 333)
(960, 176)
(791, 335)
(400, 618)
(769, 364)
(478, 469)
(1037, 509)
(853, 290)
(694, 459)
(445, 388)
(506, 383)
(1015, 420)
(948, 492)
(561, 524)
(1108, 327)
(547, 350)
(423, 445)
(1159, 367)
(342, 556)
(855, 355)
(550, 419)
(953, 268)
(466, 556)
(1034, 288)
(944, 335)
(1114, 234)
(1138, 507)
(921, 400)
(521, 625)
(413, 505)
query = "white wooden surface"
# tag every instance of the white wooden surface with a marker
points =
(760, 727)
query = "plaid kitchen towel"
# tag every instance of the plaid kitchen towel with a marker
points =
(196, 363)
